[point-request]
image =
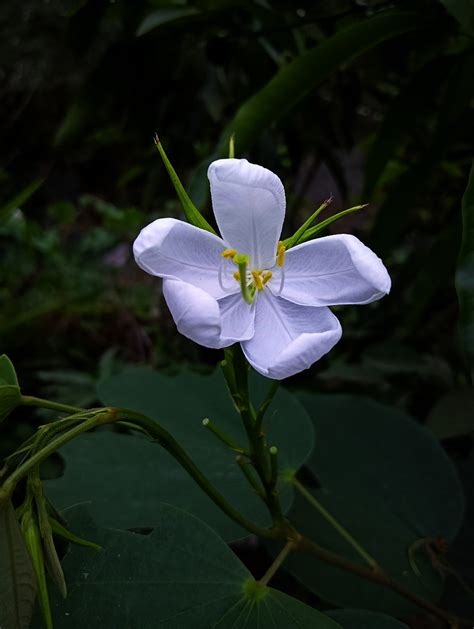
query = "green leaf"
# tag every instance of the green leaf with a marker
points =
(164, 16)
(296, 79)
(389, 483)
(17, 577)
(10, 398)
(453, 415)
(463, 11)
(7, 371)
(139, 473)
(17, 201)
(363, 619)
(465, 272)
(181, 575)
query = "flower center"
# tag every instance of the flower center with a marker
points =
(252, 280)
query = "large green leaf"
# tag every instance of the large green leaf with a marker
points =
(138, 473)
(465, 271)
(363, 619)
(385, 479)
(181, 575)
(17, 577)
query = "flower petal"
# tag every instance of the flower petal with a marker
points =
(174, 249)
(249, 205)
(206, 321)
(334, 270)
(289, 338)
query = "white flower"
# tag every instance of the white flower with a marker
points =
(288, 325)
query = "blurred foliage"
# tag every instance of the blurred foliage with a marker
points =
(368, 100)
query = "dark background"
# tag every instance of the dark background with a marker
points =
(84, 86)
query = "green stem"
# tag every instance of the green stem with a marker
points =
(339, 528)
(164, 438)
(256, 438)
(29, 400)
(225, 439)
(245, 467)
(270, 573)
(21, 471)
(265, 404)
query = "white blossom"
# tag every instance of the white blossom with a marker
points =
(279, 310)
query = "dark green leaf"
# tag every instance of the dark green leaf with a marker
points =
(133, 469)
(453, 415)
(17, 201)
(10, 398)
(181, 575)
(17, 577)
(295, 80)
(465, 271)
(164, 16)
(7, 371)
(390, 484)
(463, 11)
(362, 619)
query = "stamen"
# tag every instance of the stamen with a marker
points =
(281, 254)
(220, 276)
(229, 253)
(236, 276)
(267, 277)
(257, 280)
(282, 283)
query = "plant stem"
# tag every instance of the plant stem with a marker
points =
(269, 574)
(265, 404)
(335, 524)
(230, 443)
(379, 576)
(29, 400)
(165, 439)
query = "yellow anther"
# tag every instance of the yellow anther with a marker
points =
(236, 275)
(281, 254)
(257, 279)
(229, 253)
(267, 277)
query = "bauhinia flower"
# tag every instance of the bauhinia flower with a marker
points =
(244, 287)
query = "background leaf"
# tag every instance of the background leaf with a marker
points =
(388, 482)
(17, 577)
(133, 469)
(363, 619)
(453, 415)
(180, 575)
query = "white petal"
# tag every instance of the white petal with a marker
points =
(249, 205)
(334, 270)
(174, 249)
(289, 338)
(237, 319)
(203, 319)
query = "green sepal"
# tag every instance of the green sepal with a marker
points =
(232, 147)
(62, 531)
(32, 537)
(299, 233)
(314, 231)
(193, 215)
